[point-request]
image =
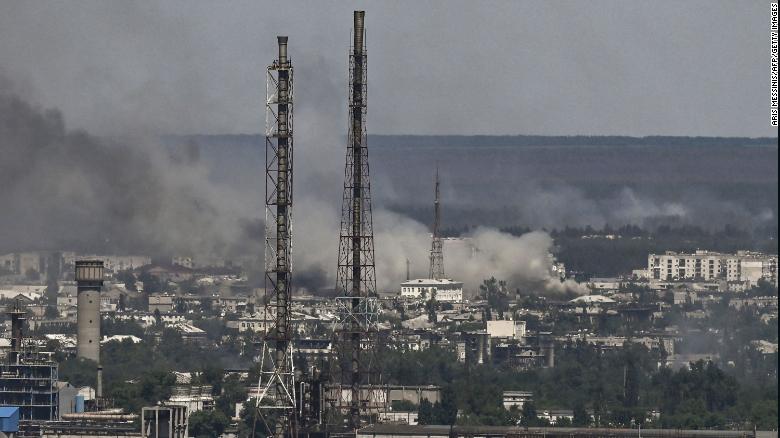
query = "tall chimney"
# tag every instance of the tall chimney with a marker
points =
(89, 280)
(358, 18)
(99, 390)
(282, 42)
(547, 347)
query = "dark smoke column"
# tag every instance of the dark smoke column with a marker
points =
(277, 385)
(356, 277)
(89, 280)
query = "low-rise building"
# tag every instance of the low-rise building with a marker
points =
(161, 302)
(516, 399)
(444, 290)
(506, 329)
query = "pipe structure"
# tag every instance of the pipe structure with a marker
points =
(97, 416)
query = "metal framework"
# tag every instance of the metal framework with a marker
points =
(437, 254)
(276, 398)
(28, 377)
(357, 304)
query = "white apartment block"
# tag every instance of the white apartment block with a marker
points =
(744, 266)
(445, 290)
(506, 329)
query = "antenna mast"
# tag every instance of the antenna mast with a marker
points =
(437, 254)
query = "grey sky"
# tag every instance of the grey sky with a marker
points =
(454, 67)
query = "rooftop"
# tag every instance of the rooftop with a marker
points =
(430, 281)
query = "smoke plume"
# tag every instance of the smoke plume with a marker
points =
(69, 190)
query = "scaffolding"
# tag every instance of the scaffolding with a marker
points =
(28, 377)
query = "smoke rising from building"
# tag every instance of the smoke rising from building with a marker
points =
(71, 190)
(67, 189)
(130, 195)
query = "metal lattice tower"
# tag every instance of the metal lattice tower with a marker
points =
(437, 254)
(357, 378)
(276, 399)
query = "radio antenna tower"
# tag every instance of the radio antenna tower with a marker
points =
(437, 254)
(358, 308)
(276, 400)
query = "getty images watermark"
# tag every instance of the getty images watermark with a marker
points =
(773, 58)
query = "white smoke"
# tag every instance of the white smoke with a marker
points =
(524, 261)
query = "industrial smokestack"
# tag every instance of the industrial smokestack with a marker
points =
(282, 40)
(547, 347)
(89, 280)
(99, 390)
(358, 17)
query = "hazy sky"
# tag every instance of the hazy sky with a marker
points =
(436, 67)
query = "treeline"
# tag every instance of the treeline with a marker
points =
(588, 251)
(416, 141)
(140, 374)
(609, 257)
(377, 140)
(620, 388)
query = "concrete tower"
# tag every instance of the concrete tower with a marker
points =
(89, 280)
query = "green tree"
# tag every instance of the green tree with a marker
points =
(78, 372)
(495, 292)
(128, 279)
(449, 407)
(581, 417)
(51, 312)
(207, 424)
(425, 414)
(528, 416)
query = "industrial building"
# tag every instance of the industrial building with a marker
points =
(169, 421)
(28, 377)
(440, 431)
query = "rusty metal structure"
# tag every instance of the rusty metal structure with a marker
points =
(436, 271)
(356, 375)
(276, 397)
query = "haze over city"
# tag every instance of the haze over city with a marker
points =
(524, 182)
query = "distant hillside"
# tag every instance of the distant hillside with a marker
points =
(509, 140)
(579, 140)
(548, 181)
